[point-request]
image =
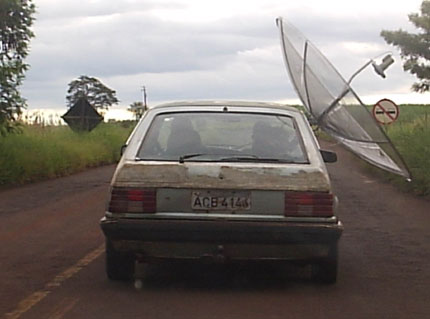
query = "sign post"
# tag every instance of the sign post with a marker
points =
(385, 111)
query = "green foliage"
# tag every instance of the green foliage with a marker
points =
(411, 136)
(47, 152)
(94, 91)
(16, 18)
(415, 48)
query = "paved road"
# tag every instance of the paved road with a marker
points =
(52, 265)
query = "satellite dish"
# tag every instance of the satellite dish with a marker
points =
(334, 105)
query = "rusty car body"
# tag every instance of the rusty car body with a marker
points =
(213, 193)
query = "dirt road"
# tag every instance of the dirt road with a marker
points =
(52, 266)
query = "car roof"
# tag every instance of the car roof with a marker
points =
(221, 103)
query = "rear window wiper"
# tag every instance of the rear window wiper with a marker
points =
(224, 158)
(220, 157)
(181, 159)
(215, 156)
(254, 158)
(241, 158)
(187, 156)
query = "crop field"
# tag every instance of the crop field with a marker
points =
(411, 135)
(410, 113)
(42, 152)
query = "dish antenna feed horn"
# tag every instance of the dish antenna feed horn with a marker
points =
(386, 62)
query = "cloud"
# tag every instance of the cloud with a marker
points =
(125, 45)
(254, 75)
(199, 50)
(49, 10)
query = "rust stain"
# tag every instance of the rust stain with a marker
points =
(261, 177)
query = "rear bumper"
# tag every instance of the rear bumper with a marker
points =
(231, 239)
(220, 230)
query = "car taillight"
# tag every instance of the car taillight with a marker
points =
(305, 204)
(133, 200)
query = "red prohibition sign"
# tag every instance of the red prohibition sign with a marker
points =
(385, 111)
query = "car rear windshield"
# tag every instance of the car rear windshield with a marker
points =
(209, 136)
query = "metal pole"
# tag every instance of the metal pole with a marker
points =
(145, 106)
(358, 71)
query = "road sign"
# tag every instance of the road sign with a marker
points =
(385, 111)
(82, 116)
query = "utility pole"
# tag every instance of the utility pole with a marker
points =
(145, 106)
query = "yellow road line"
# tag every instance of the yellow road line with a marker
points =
(26, 304)
(36, 297)
(64, 307)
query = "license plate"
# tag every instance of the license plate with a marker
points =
(217, 201)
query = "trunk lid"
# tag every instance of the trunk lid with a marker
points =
(250, 176)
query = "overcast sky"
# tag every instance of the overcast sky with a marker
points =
(223, 49)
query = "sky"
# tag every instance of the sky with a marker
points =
(207, 50)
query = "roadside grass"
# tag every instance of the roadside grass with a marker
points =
(409, 113)
(47, 152)
(410, 134)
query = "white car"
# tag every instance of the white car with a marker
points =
(225, 181)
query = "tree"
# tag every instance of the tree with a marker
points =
(94, 91)
(16, 18)
(137, 108)
(415, 48)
